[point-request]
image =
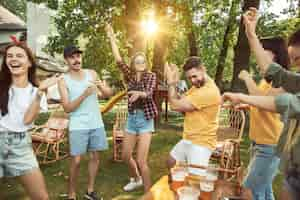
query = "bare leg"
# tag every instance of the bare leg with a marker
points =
(127, 149)
(93, 169)
(74, 170)
(170, 162)
(142, 157)
(34, 184)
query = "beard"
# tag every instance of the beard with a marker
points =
(199, 83)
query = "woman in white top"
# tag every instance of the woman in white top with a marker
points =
(20, 102)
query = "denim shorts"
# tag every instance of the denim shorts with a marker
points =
(16, 154)
(82, 141)
(138, 124)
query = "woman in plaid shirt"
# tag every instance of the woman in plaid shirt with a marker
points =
(141, 113)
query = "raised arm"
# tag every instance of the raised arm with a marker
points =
(34, 108)
(104, 90)
(250, 83)
(177, 103)
(113, 42)
(250, 20)
(122, 66)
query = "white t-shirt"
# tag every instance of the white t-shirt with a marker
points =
(19, 101)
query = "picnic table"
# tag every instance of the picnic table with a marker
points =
(161, 191)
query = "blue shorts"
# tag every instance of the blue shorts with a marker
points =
(82, 141)
(138, 124)
(16, 154)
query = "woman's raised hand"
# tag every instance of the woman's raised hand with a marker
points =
(109, 30)
(250, 18)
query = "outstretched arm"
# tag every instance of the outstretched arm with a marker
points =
(113, 42)
(123, 66)
(263, 102)
(34, 109)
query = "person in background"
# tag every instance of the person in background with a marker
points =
(141, 113)
(265, 127)
(78, 90)
(287, 104)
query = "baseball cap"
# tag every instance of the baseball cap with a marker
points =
(70, 50)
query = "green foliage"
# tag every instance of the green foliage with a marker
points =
(18, 7)
(81, 22)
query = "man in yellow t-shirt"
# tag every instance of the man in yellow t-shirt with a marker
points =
(201, 106)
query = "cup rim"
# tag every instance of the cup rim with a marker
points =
(192, 189)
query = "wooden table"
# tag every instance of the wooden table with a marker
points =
(161, 191)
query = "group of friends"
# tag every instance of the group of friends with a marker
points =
(274, 107)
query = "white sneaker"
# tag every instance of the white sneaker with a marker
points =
(133, 184)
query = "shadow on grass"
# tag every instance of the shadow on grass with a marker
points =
(113, 176)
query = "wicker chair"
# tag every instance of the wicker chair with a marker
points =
(229, 136)
(49, 140)
(119, 129)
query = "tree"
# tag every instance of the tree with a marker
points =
(230, 28)
(161, 40)
(132, 16)
(18, 7)
(242, 51)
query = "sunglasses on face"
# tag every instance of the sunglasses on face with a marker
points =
(139, 62)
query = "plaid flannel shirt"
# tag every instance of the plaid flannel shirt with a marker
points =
(148, 85)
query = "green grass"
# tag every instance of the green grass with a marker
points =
(112, 176)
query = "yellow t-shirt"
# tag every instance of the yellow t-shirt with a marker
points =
(200, 126)
(265, 127)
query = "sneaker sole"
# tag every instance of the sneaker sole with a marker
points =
(133, 188)
(89, 198)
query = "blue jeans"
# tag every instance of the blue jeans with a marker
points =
(261, 171)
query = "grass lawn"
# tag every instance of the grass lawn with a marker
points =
(112, 176)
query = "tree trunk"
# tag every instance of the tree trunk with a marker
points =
(242, 51)
(132, 24)
(227, 36)
(193, 44)
(161, 41)
(160, 48)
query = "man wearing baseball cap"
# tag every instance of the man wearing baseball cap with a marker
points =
(78, 90)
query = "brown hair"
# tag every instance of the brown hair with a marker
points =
(192, 62)
(294, 39)
(6, 78)
(278, 47)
